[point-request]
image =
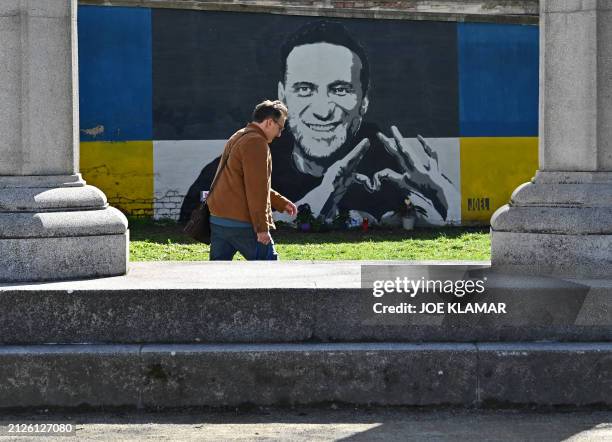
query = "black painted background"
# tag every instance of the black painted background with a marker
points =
(211, 68)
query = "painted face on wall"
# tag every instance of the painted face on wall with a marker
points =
(323, 93)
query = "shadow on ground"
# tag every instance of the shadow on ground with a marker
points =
(333, 423)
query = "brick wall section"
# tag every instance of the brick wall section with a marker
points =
(132, 207)
(496, 11)
(515, 7)
(168, 206)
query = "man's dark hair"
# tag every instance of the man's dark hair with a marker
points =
(269, 109)
(326, 32)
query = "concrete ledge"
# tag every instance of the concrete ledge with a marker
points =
(389, 374)
(545, 374)
(467, 375)
(69, 376)
(200, 302)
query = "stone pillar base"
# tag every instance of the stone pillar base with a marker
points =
(57, 227)
(41, 259)
(559, 224)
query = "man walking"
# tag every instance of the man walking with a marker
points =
(242, 201)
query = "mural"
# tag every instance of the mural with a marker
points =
(443, 112)
(330, 156)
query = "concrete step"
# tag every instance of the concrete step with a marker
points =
(250, 302)
(429, 374)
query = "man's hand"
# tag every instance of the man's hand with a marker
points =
(291, 209)
(324, 198)
(421, 177)
(416, 158)
(264, 237)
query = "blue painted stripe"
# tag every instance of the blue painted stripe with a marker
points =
(498, 79)
(115, 73)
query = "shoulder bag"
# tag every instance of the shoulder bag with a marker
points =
(198, 226)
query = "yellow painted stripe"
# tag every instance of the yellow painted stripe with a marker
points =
(123, 171)
(491, 168)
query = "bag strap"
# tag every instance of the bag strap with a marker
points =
(222, 166)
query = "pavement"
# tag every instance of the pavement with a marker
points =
(159, 275)
(325, 423)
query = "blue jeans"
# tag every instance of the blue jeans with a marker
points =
(226, 241)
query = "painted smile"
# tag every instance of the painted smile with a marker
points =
(329, 127)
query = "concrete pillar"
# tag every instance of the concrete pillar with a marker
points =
(561, 222)
(52, 225)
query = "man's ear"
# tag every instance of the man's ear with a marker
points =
(364, 105)
(281, 92)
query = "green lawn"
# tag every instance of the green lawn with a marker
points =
(164, 241)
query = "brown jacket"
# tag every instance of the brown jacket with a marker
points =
(243, 190)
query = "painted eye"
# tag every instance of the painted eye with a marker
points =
(304, 91)
(341, 90)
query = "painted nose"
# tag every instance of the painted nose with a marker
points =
(322, 108)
